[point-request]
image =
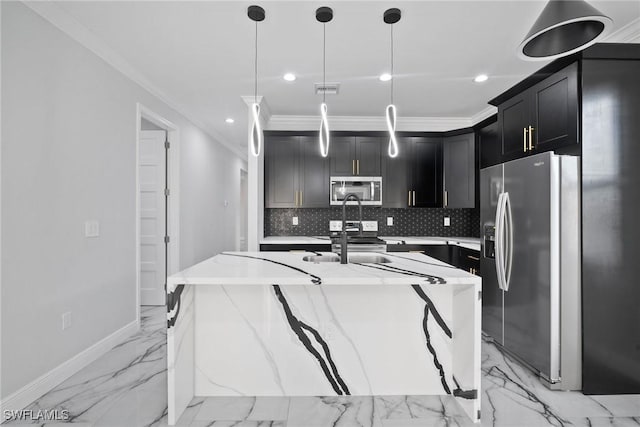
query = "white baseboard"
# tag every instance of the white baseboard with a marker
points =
(37, 388)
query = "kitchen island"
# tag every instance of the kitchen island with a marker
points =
(302, 324)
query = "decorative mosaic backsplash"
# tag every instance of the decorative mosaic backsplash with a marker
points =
(406, 222)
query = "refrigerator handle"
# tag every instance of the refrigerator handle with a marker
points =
(509, 244)
(499, 241)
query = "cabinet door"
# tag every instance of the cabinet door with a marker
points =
(427, 172)
(281, 171)
(513, 118)
(313, 175)
(490, 145)
(368, 155)
(556, 118)
(342, 151)
(396, 175)
(459, 171)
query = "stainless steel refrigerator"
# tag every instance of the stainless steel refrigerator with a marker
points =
(531, 303)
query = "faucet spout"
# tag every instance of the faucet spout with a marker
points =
(343, 236)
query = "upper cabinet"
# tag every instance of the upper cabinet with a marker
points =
(425, 172)
(459, 171)
(355, 156)
(541, 118)
(396, 179)
(296, 175)
(489, 145)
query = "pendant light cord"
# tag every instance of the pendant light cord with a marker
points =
(324, 62)
(392, 75)
(255, 89)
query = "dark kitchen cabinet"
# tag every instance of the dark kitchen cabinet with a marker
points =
(465, 259)
(296, 175)
(368, 155)
(355, 156)
(342, 154)
(489, 145)
(414, 177)
(281, 171)
(541, 118)
(396, 179)
(313, 175)
(425, 172)
(556, 110)
(514, 118)
(459, 171)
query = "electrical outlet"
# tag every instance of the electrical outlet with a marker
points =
(92, 228)
(66, 320)
(447, 221)
(294, 221)
(389, 221)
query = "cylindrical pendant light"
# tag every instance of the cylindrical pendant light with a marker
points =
(256, 14)
(391, 16)
(564, 27)
(324, 15)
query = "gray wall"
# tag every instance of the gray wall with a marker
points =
(68, 155)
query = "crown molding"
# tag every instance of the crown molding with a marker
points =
(630, 33)
(369, 123)
(481, 115)
(265, 109)
(62, 20)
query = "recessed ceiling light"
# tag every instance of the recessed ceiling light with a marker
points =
(481, 78)
(229, 120)
(385, 77)
(289, 77)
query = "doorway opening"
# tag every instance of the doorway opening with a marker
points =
(157, 204)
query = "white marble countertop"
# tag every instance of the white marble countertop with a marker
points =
(286, 268)
(466, 242)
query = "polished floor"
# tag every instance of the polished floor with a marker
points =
(127, 387)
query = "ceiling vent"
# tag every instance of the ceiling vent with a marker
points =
(327, 88)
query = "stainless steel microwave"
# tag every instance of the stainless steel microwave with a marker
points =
(368, 188)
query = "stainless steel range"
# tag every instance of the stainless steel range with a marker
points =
(367, 242)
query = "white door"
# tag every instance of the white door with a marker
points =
(152, 217)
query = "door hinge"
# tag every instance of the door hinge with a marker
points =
(166, 239)
(167, 145)
(167, 192)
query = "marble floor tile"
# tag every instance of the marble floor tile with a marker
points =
(244, 409)
(127, 388)
(332, 412)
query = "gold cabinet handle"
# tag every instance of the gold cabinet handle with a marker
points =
(446, 198)
(301, 198)
(358, 167)
(475, 258)
(295, 198)
(414, 198)
(353, 167)
(409, 200)
(531, 129)
(524, 139)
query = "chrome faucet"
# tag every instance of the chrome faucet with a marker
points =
(343, 236)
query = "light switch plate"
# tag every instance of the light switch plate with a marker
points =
(447, 221)
(295, 220)
(91, 228)
(389, 221)
(66, 320)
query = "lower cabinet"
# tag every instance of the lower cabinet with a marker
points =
(457, 256)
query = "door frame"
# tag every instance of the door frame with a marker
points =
(173, 174)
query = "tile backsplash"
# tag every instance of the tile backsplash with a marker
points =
(406, 222)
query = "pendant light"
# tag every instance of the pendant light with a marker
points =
(563, 27)
(391, 16)
(324, 15)
(256, 14)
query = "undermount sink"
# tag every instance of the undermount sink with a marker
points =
(355, 258)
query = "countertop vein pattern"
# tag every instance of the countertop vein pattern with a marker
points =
(286, 268)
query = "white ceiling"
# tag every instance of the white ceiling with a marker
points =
(200, 54)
